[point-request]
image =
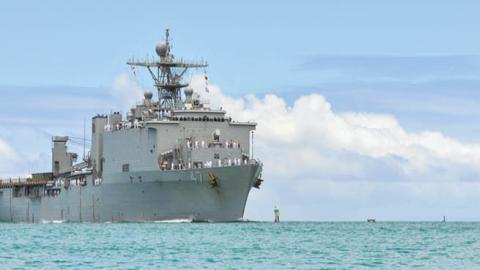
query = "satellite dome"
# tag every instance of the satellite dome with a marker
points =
(148, 95)
(188, 91)
(161, 49)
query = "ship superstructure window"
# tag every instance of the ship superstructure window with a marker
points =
(125, 167)
(216, 135)
(216, 156)
(57, 167)
(102, 161)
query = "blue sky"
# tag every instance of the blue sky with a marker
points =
(415, 61)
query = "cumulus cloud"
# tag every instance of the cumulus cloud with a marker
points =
(309, 128)
(6, 152)
(126, 91)
(8, 158)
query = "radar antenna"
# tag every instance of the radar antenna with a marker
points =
(167, 74)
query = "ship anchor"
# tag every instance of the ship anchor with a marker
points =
(213, 180)
(258, 183)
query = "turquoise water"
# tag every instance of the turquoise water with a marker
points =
(289, 245)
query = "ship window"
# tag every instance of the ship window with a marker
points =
(102, 161)
(125, 167)
(57, 167)
(216, 156)
(216, 135)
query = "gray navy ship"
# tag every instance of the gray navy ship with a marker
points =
(166, 159)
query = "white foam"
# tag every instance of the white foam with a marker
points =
(180, 220)
(52, 221)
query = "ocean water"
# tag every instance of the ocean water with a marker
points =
(247, 245)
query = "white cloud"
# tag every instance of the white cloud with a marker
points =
(125, 91)
(6, 152)
(310, 127)
(9, 159)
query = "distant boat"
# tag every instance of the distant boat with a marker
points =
(444, 220)
(371, 220)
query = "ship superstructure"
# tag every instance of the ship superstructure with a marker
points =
(170, 158)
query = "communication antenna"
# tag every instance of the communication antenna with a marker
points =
(167, 74)
(84, 140)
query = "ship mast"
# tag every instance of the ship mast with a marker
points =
(167, 73)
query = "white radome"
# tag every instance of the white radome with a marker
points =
(161, 49)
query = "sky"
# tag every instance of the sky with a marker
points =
(364, 108)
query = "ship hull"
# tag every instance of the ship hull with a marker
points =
(140, 196)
